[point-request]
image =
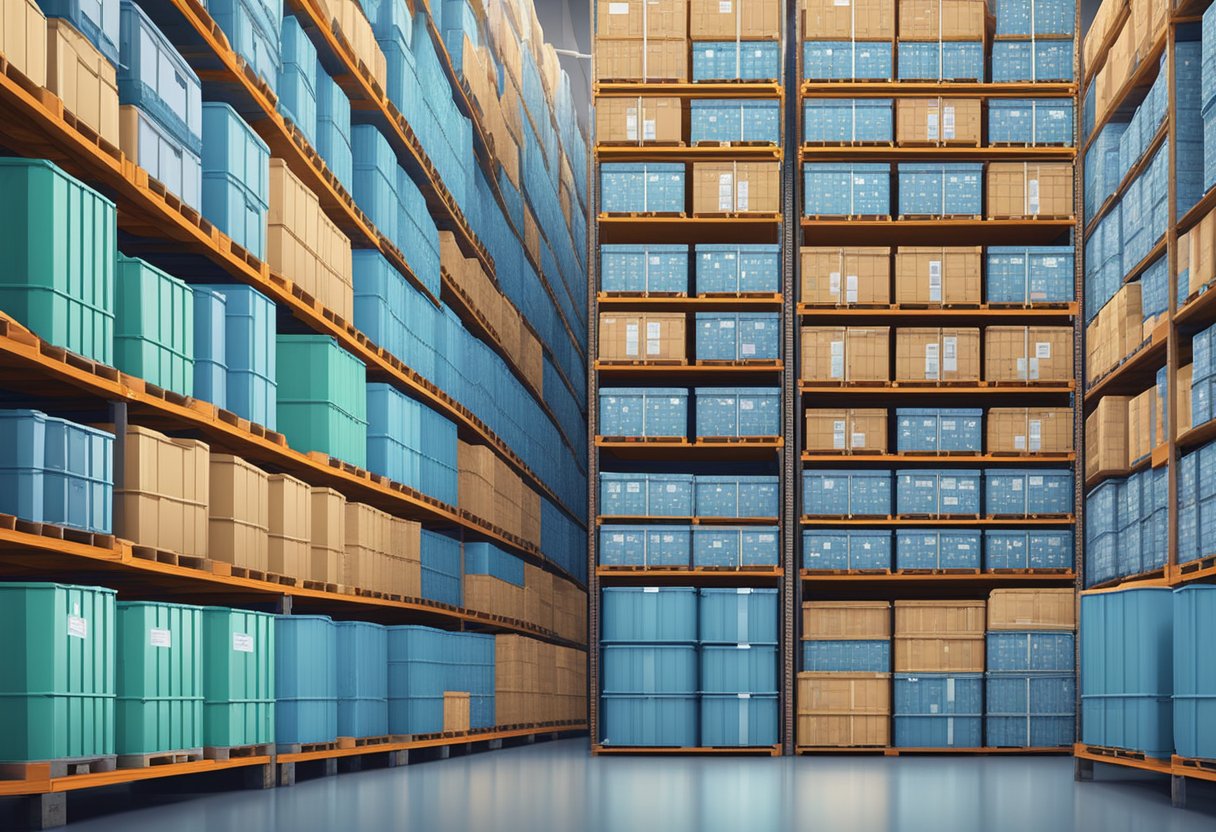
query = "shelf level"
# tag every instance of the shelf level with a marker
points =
(946, 153)
(958, 232)
(694, 303)
(630, 576)
(983, 313)
(948, 522)
(630, 89)
(688, 153)
(945, 460)
(762, 228)
(948, 89)
(688, 451)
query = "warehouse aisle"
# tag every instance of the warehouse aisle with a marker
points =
(559, 787)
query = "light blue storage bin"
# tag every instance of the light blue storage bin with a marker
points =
(734, 120)
(938, 494)
(653, 411)
(842, 189)
(741, 60)
(1031, 60)
(923, 694)
(852, 549)
(664, 546)
(297, 87)
(305, 680)
(375, 178)
(252, 28)
(236, 177)
(933, 430)
(669, 495)
(740, 615)
(1028, 549)
(843, 60)
(250, 352)
(362, 649)
(735, 269)
(1032, 710)
(168, 161)
(738, 411)
(938, 731)
(937, 549)
(649, 668)
(645, 614)
(633, 187)
(738, 668)
(723, 546)
(738, 336)
(1027, 492)
(1035, 17)
(650, 721)
(1030, 274)
(847, 656)
(644, 268)
(97, 20)
(941, 189)
(441, 574)
(210, 353)
(1033, 731)
(1194, 688)
(333, 128)
(1031, 121)
(411, 444)
(940, 61)
(624, 495)
(487, 559)
(853, 493)
(738, 721)
(1031, 652)
(730, 496)
(848, 120)
(154, 76)
(622, 545)
(1127, 676)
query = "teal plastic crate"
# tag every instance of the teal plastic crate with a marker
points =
(160, 678)
(154, 326)
(362, 679)
(306, 680)
(238, 677)
(322, 397)
(647, 613)
(57, 679)
(59, 239)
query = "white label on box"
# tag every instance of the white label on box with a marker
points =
(634, 488)
(649, 130)
(1049, 262)
(828, 485)
(667, 538)
(850, 289)
(655, 260)
(717, 544)
(709, 53)
(950, 354)
(654, 338)
(1034, 369)
(834, 284)
(618, 538)
(935, 281)
(949, 501)
(1022, 368)
(948, 425)
(631, 124)
(650, 589)
(840, 2)
(160, 638)
(726, 191)
(615, 487)
(859, 440)
(949, 483)
(747, 404)
(1042, 350)
(1035, 481)
(631, 339)
(766, 538)
(948, 122)
(838, 431)
(673, 400)
(758, 325)
(724, 6)
(726, 324)
(1032, 195)
(671, 488)
(618, 8)
(743, 201)
(1015, 485)
(78, 627)
(1019, 442)
(837, 369)
(242, 643)
(931, 125)
(1036, 434)
(747, 349)
(932, 361)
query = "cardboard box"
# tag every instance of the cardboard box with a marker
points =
(727, 20)
(961, 617)
(632, 59)
(328, 540)
(81, 76)
(942, 19)
(846, 276)
(1034, 353)
(1100, 28)
(1142, 431)
(358, 33)
(1106, 442)
(1200, 246)
(166, 486)
(1182, 399)
(938, 121)
(456, 711)
(643, 336)
(23, 39)
(1030, 189)
(367, 547)
(852, 429)
(846, 620)
(939, 654)
(844, 709)
(538, 586)
(1032, 609)
(238, 517)
(931, 275)
(1035, 430)
(489, 594)
(845, 20)
(641, 18)
(638, 120)
(929, 354)
(1115, 332)
(289, 526)
(846, 353)
(736, 187)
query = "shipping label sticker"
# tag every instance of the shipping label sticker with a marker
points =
(1015, 485)
(741, 203)
(618, 8)
(1019, 442)
(828, 485)
(932, 362)
(950, 501)
(726, 191)
(1034, 369)
(850, 289)
(950, 354)
(935, 281)
(834, 284)
(618, 538)
(948, 425)
(842, 3)
(671, 488)
(837, 363)
(655, 260)
(631, 124)
(634, 488)
(766, 538)
(1050, 262)
(78, 627)
(1032, 195)
(1036, 481)
(948, 122)
(160, 638)
(709, 53)
(859, 440)
(654, 338)
(838, 432)
(931, 125)
(747, 348)
(726, 324)
(653, 589)
(615, 487)
(632, 337)
(1021, 368)
(725, 6)
(649, 130)
(1042, 350)
(242, 643)
(747, 404)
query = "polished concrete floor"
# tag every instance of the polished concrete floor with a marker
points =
(558, 786)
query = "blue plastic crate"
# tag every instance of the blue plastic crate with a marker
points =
(1031, 651)
(941, 189)
(333, 128)
(154, 76)
(236, 177)
(644, 268)
(938, 710)
(362, 649)
(652, 411)
(168, 161)
(1194, 691)
(1031, 60)
(848, 120)
(250, 352)
(649, 668)
(937, 549)
(665, 546)
(297, 86)
(738, 411)
(1028, 492)
(97, 20)
(846, 549)
(738, 668)
(842, 189)
(642, 614)
(252, 28)
(938, 493)
(939, 429)
(1028, 549)
(1035, 17)
(210, 354)
(739, 721)
(646, 495)
(737, 268)
(738, 616)
(1033, 731)
(734, 120)
(628, 187)
(375, 178)
(1024, 694)
(855, 493)
(738, 336)
(848, 656)
(411, 444)
(650, 721)
(441, 576)
(740, 60)
(1030, 274)
(730, 546)
(488, 559)
(843, 60)
(1031, 121)
(305, 680)
(736, 496)
(940, 61)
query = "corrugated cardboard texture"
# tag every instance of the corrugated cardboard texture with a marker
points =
(942, 19)
(929, 276)
(846, 354)
(1182, 398)
(939, 618)
(938, 121)
(1115, 332)
(1142, 426)
(539, 594)
(455, 710)
(638, 18)
(844, 730)
(358, 32)
(166, 488)
(1032, 609)
(238, 513)
(328, 535)
(731, 19)
(1029, 189)
(1106, 437)
(843, 709)
(736, 187)
(845, 20)
(939, 654)
(638, 120)
(642, 336)
(487, 593)
(630, 59)
(846, 276)
(1200, 246)
(850, 429)
(23, 39)
(926, 354)
(1035, 430)
(367, 547)
(82, 77)
(1036, 353)
(846, 620)
(289, 525)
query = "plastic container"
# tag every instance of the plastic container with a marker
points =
(159, 657)
(937, 549)
(154, 326)
(841, 189)
(738, 721)
(297, 79)
(738, 668)
(250, 348)
(441, 573)
(732, 269)
(1029, 274)
(738, 616)
(1028, 550)
(1022, 492)
(740, 60)
(97, 20)
(642, 187)
(933, 430)
(737, 336)
(734, 120)
(321, 397)
(848, 120)
(1026, 652)
(306, 680)
(362, 650)
(843, 60)
(1030, 710)
(847, 549)
(940, 61)
(733, 497)
(162, 155)
(252, 27)
(847, 493)
(650, 721)
(941, 190)
(333, 128)
(644, 268)
(236, 178)
(648, 411)
(1194, 692)
(1031, 121)
(210, 351)
(155, 77)
(645, 614)
(649, 668)
(238, 677)
(1032, 60)
(738, 411)
(848, 656)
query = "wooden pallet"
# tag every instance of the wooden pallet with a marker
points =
(52, 769)
(167, 557)
(738, 440)
(938, 217)
(937, 571)
(645, 215)
(55, 532)
(1190, 567)
(843, 452)
(645, 440)
(814, 572)
(1056, 570)
(847, 143)
(733, 145)
(163, 758)
(1197, 764)
(642, 362)
(305, 747)
(1124, 754)
(847, 217)
(237, 752)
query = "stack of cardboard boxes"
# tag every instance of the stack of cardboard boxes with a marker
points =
(846, 276)
(736, 188)
(938, 122)
(643, 336)
(1030, 430)
(1123, 430)
(846, 354)
(634, 121)
(638, 40)
(927, 276)
(1115, 333)
(1143, 28)
(166, 487)
(1197, 256)
(831, 430)
(930, 354)
(490, 489)
(536, 683)
(929, 28)
(382, 553)
(1028, 353)
(1030, 190)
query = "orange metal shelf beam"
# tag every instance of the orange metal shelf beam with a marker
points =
(979, 579)
(844, 231)
(689, 450)
(949, 89)
(979, 313)
(610, 519)
(631, 89)
(992, 388)
(694, 575)
(694, 303)
(683, 153)
(655, 229)
(818, 153)
(885, 522)
(937, 459)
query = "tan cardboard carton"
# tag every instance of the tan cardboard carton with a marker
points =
(939, 654)
(642, 336)
(1035, 430)
(928, 354)
(238, 513)
(1030, 189)
(939, 618)
(846, 354)
(632, 59)
(1141, 426)
(846, 620)
(358, 33)
(1200, 245)
(1100, 28)
(81, 76)
(929, 275)
(289, 526)
(844, 709)
(938, 121)
(848, 19)
(846, 276)
(456, 711)
(638, 18)
(328, 535)
(1032, 609)
(1035, 353)
(1182, 399)
(736, 187)
(1106, 441)
(23, 38)
(367, 546)
(166, 488)
(942, 19)
(852, 429)
(638, 120)
(731, 19)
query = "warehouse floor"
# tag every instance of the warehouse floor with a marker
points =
(558, 786)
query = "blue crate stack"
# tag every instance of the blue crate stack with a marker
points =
(849, 550)
(848, 120)
(727, 121)
(1034, 40)
(840, 60)
(1030, 689)
(738, 658)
